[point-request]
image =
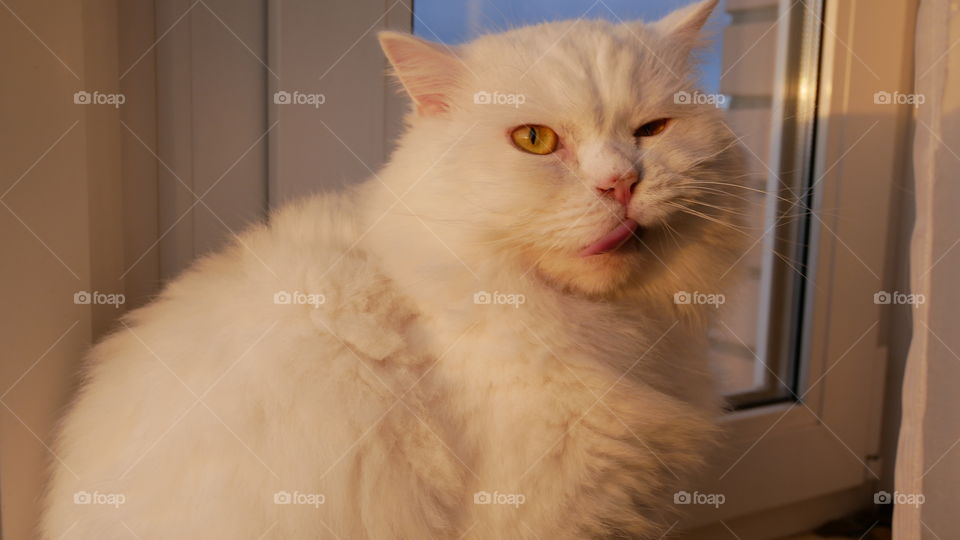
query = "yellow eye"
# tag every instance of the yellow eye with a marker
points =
(535, 139)
(652, 128)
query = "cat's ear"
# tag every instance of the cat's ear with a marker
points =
(686, 23)
(428, 71)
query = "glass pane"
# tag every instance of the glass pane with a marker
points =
(760, 69)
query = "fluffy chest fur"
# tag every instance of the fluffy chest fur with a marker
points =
(549, 417)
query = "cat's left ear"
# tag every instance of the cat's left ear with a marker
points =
(428, 71)
(686, 23)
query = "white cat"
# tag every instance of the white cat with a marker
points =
(481, 342)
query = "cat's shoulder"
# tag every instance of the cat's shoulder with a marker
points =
(305, 265)
(324, 223)
(319, 238)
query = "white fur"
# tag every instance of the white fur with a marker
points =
(398, 398)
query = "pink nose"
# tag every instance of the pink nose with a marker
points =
(619, 186)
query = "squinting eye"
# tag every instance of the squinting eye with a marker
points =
(652, 128)
(535, 139)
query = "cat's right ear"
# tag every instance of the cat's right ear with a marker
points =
(428, 72)
(687, 22)
(684, 27)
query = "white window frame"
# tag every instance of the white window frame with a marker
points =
(828, 442)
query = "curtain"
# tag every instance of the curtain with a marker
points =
(928, 462)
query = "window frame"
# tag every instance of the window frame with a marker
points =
(828, 441)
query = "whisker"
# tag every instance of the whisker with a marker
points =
(688, 210)
(755, 190)
(721, 208)
(673, 234)
(717, 153)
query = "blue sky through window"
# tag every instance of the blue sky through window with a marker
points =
(457, 21)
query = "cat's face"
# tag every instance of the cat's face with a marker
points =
(565, 144)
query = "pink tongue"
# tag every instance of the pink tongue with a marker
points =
(612, 240)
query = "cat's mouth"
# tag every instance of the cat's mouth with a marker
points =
(614, 239)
